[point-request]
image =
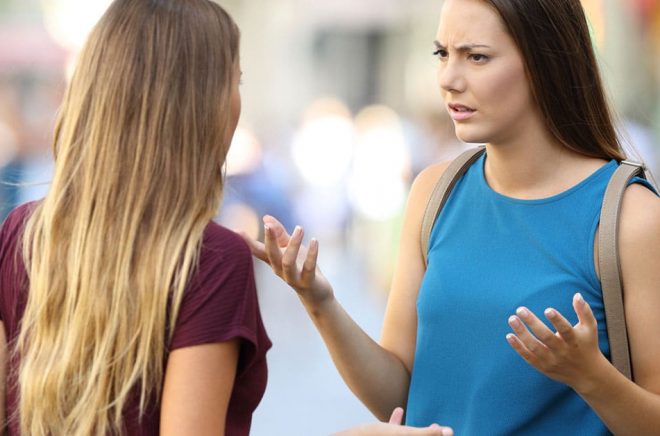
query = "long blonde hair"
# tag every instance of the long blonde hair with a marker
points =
(140, 145)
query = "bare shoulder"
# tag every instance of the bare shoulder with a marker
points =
(640, 216)
(425, 181)
(639, 243)
(432, 173)
(639, 240)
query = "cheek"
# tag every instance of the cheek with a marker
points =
(509, 89)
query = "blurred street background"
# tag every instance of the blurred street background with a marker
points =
(340, 111)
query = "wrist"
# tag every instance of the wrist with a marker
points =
(596, 379)
(317, 306)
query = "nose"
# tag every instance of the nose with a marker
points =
(450, 77)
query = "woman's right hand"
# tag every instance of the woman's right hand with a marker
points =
(292, 261)
(394, 428)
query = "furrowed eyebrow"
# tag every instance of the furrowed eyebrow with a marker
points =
(462, 47)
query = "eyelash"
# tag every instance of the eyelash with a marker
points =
(483, 57)
(442, 54)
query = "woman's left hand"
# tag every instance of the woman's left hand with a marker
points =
(570, 355)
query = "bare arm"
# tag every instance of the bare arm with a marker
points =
(571, 355)
(399, 332)
(627, 407)
(378, 375)
(197, 389)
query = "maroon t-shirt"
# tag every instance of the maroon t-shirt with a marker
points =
(219, 304)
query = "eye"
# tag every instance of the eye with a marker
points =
(441, 53)
(478, 58)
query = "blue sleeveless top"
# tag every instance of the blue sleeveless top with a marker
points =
(488, 255)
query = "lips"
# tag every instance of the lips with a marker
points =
(460, 112)
(460, 107)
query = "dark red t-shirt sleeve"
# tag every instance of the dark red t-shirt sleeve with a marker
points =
(221, 302)
(12, 269)
(4, 247)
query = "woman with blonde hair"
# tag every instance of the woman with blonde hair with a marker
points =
(129, 311)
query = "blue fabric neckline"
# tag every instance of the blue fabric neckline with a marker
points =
(536, 201)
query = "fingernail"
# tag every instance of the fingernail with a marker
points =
(579, 297)
(521, 311)
(447, 432)
(509, 337)
(550, 313)
(513, 320)
(296, 231)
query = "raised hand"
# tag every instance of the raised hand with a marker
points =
(292, 261)
(569, 355)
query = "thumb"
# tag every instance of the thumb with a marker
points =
(583, 310)
(256, 247)
(397, 416)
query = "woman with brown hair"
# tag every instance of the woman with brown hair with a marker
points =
(463, 342)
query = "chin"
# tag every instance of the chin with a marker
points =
(471, 136)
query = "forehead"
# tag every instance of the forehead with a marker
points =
(473, 21)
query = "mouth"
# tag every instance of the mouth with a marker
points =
(460, 112)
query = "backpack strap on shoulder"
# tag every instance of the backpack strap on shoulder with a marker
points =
(442, 189)
(609, 266)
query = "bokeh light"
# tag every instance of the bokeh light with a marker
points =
(70, 21)
(322, 149)
(381, 164)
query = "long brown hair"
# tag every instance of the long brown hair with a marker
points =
(140, 145)
(553, 37)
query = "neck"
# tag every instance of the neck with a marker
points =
(535, 167)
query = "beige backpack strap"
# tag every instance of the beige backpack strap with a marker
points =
(608, 263)
(442, 189)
